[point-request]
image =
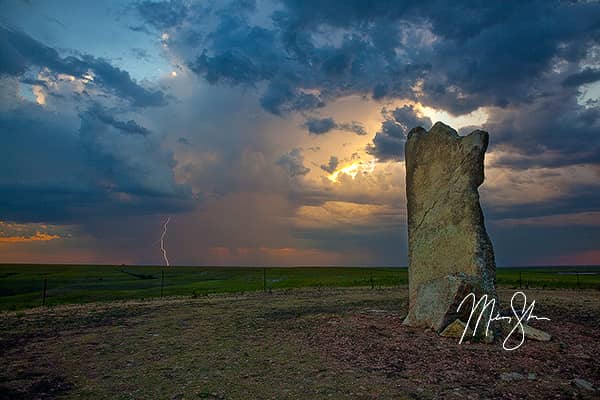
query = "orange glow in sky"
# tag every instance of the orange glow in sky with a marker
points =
(354, 169)
(38, 237)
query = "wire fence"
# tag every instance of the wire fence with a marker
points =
(30, 286)
(23, 286)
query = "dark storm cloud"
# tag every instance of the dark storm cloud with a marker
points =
(63, 166)
(553, 132)
(57, 168)
(469, 54)
(281, 97)
(354, 127)
(119, 81)
(18, 52)
(588, 75)
(525, 61)
(485, 53)
(332, 165)
(379, 91)
(293, 163)
(457, 56)
(162, 14)
(128, 127)
(290, 63)
(523, 57)
(514, 247)
(320, 126)
(30, 81)
(385, 146)
(388, 143)
(407, 117)
(583, 200)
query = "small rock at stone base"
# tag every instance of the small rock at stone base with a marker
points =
(437, 301)
(456, 329)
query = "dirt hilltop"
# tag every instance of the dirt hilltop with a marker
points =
(295, 344)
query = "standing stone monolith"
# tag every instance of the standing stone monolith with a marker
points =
(449, 251)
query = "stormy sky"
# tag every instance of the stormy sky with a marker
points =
(272, 132)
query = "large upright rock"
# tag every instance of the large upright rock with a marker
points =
(449, 251)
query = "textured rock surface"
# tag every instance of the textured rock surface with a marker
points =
(437, 301)
(446, 231)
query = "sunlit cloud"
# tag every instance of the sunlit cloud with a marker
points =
(475, 118)
(40, 95)
(37, 237)
(358, 167)
(13, 233)
(346, 215)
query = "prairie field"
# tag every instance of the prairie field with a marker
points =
(22, 286)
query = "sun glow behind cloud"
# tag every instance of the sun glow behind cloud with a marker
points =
(354, 169)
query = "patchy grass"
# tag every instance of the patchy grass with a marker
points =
(292, 344)
(21, 286)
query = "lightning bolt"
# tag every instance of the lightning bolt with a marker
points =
(162, 241)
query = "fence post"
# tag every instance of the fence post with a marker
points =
(372, 284)
(578, 287)
(264, 279)
(520, 280)
(44, 291)
(162, 282)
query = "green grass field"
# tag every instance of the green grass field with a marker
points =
(21, 286)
